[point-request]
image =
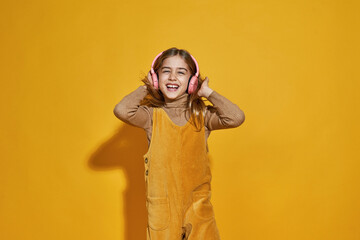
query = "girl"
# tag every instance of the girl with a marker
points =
(169, 107)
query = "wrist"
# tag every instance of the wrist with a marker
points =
(208, 92)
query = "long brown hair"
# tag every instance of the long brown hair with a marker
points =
(195, 105)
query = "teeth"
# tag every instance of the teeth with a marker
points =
(172, 86)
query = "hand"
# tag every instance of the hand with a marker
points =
(205, 90)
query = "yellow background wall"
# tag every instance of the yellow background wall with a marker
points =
(70, 169)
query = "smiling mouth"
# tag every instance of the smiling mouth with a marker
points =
(172, 86)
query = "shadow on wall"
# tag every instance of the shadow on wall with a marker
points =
(125, 150)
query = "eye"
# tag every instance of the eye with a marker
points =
(181, 73)
(166, 71)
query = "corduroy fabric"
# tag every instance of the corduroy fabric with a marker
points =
(178, 183)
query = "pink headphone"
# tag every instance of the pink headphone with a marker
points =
(193, 80)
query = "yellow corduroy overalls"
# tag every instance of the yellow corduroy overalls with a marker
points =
(178, 183)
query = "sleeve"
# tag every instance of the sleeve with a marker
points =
(130, 111)
(223, 114)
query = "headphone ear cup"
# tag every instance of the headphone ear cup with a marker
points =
(193, 83)
(187, 89)
(155, 77)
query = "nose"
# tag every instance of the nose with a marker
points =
(172, 76)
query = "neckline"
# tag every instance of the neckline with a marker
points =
(179, 102)
(167, 116)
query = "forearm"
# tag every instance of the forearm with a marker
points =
(129, 109)
(227, 114)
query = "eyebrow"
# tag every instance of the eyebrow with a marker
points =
(178, 68)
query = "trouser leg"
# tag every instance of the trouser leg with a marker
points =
(201, 227)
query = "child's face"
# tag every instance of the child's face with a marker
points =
(174, 75)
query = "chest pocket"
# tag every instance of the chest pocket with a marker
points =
(158, 213)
